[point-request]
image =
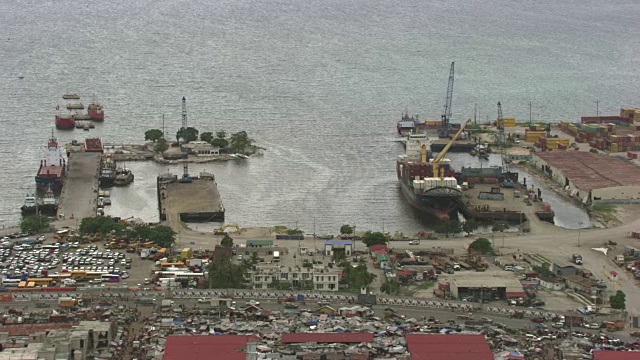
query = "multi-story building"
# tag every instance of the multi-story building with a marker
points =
(271, 276)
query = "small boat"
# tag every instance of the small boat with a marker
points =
(30, 206)
(71, 97)
(124, 177)
(242, 156)
(473, 152)
(49, 204)
(104, 200)
(75, 106)
(95, 111)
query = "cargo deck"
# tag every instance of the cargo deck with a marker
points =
(80, 190)
(195, 201)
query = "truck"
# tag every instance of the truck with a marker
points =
(619, 259)
(615, 325)
(577, 259)
(276, 256)
(67, 301)
(167, 304)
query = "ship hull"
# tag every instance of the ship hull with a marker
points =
(106, 182)
(96, 116)
(45, 183)
(65, 124)
(441, 207)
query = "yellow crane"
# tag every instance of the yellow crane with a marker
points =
(436, 162)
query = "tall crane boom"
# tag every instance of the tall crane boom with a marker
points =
(185, 155)
(502, 141)
(436, 162)
(446, 114)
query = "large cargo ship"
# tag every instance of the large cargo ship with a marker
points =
(407, 124)
(53, 168)
(440, 196)
(65, 122)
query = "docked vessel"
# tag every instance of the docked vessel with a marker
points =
(124, 177)
(65, 122)
(107, 172)
(407, 124)
(429, 186)
(53, 168)
(75, 106)
(30, 206)
(95, 111)
(69, 96)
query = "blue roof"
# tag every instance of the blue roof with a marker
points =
(338, 242)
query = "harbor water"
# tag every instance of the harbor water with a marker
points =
(319, 84)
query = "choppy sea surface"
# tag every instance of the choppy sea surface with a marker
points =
(320, 84)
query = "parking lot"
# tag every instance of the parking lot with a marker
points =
(24, 258)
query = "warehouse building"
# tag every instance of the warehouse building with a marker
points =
(487, 288)
(590, 177)
(338, 246)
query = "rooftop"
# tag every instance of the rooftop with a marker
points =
(487, 281)
(327, 338)
(616, 355)
(590, 171)
(205, 347)
(448, 347)
(338, 242)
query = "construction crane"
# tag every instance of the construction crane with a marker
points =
(436, 162)
(185, 155)
(507, 182)
(446, 114)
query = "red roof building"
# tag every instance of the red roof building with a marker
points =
(378, 247)
(448, 347)
(206, 347)
(347, 338)
(616, 355)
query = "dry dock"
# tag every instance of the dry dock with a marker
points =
(80, 189)
(195, 201)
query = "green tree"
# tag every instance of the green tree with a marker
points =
(153, 134)
(224, 274)
(346, 229)
(161, 235)
(187, 135)
(221, 134)
(101, 225)
(240, 141)
(206, 136)
(391, 287)
(372, 238)
(449, 227)
(356, 277)
(221, 143)
(469, 226)
(482, 246)
(34, 224)
(161, 146)
(618, 301)
(281, 285)
(226, 241)
(294, 232)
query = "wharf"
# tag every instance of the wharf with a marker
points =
(195, 201)
(484, 204)
(80, 190)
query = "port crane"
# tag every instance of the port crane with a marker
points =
(435, 164)
(507, 182)
(446, 114)
(186, 178)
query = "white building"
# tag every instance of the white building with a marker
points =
(333, 246)
(321, 278)
(201, 148)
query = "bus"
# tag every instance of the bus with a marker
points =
(31, 284)
(95, 274)
(60, 277)
(81, 274)
(189, 276)
(11, 282)
(178, 264)
(22, 284)
(41, 281)
(110, 278)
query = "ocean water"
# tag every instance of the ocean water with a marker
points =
(320, 84)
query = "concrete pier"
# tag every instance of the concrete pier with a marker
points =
(80, 190)
(195, 201)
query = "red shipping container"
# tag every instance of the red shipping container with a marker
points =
(490, 180)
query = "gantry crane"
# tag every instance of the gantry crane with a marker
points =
(435, 164)
(186, 178)
(446, 114)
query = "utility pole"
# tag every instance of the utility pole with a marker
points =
(475, 114)
(597, 107)
(530, 117)
(579, 231)
(163, 134)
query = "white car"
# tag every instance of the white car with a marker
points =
(253, 302)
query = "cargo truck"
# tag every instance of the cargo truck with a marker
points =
(167, 304)
(67, 302)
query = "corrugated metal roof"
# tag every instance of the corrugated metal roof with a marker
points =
(590, 171)
(448, 347)
(378, 247)
(205, 347)
(616, 355)
(327, 338)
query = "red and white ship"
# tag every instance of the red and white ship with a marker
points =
(64, 121)
(96, 111)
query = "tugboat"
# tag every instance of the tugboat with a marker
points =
(124, 177)
(30, 206)
(49, 204)
(107, 172)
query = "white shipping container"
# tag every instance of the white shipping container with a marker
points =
(416, 184)
(421, 183)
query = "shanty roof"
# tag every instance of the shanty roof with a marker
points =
(203, 347)
(590, 171)
(616, 355)
(448, 347)
(327, 338)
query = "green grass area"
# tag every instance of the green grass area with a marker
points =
(603, 208)
(426, 285)
(279, 229)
